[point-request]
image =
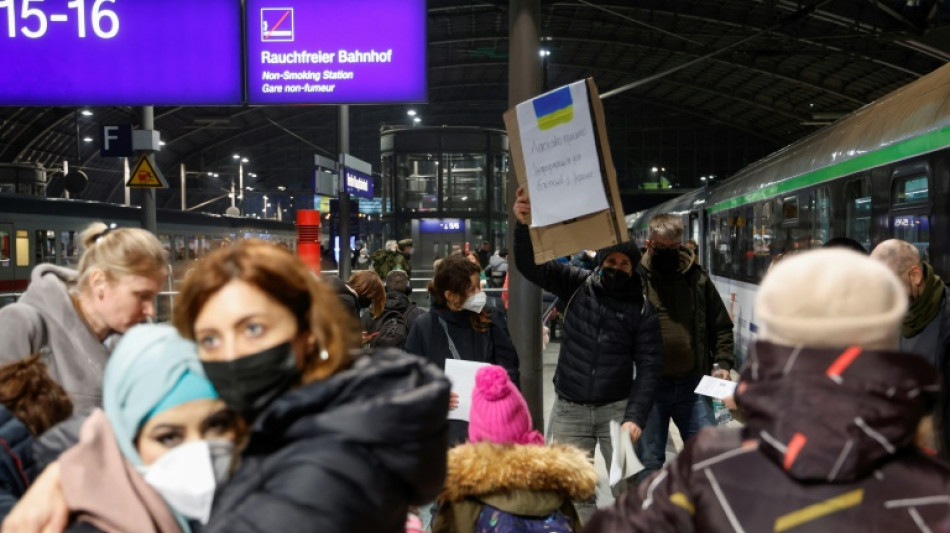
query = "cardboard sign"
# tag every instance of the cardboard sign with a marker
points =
(598, 229)
(559, 145)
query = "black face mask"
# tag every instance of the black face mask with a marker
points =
(249, 384)
(614, 279)
(363, 302)
(666, 259)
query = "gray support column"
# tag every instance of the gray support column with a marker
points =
(147, 122)
(181, 171)
(344, 224)
(524, 298)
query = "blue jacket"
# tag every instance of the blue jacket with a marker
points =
(606, 333)
(17, 468)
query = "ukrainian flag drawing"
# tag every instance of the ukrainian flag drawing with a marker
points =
(554, 108)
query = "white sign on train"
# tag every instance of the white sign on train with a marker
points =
(562, 166)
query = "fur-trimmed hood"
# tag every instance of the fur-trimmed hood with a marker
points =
(485, 468)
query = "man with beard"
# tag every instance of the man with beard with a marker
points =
(609, 326)
(696, 332)
(926, 326)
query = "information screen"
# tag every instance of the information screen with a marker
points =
(120, 52)
(336, 52)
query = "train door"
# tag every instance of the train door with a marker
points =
(909, 214)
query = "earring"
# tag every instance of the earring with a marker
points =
(324, 355)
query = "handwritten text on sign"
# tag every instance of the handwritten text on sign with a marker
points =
(560, 152)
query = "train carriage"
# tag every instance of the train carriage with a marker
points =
(46, 230)
(882, 172)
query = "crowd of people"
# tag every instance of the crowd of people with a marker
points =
(282, 400)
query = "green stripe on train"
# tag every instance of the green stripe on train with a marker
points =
(911, 147)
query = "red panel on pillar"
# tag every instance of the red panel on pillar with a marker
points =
(308, 238)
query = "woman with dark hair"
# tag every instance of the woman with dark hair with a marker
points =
(370, 292)
(459, 325)
(30, 403)
(338, 441)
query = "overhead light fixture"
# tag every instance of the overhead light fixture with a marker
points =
(87, 139)
(417, 120)
(544, 52)
(244, 160)
(217, 175)
(411, 112)
(236, 156)
(86, 113)
(251, 174)
(654, 169)
(161, 143)
(211, 174)
(281, 188)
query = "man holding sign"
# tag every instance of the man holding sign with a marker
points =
(609, 327)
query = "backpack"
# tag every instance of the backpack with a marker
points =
(495, 520)
(393, 330)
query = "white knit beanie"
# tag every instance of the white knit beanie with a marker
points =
(831, 298)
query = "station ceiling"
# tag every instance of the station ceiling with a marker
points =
(697, 88)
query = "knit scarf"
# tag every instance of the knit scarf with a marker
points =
(926, 306)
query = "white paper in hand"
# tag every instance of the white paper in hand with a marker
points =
(715, 387)
(624, 462)
(462, 375)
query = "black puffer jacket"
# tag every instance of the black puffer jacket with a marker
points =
(606, 332)
(17, 468)
(346, 454)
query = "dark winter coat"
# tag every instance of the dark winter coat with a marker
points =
(524, 480)
(713, 338)
(933, 343)
(398, 302)
(606, 333)
(346, 454)
(828, 447)
(17, 468)
(427, 339)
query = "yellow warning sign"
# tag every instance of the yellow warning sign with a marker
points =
(146, 175)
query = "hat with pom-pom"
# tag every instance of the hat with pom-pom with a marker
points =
(499, 413)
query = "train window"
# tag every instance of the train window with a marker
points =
(790, 210)
(723, 244)
(22, 248)
(914, 229)
(822, 213)
(745, 241)
(5, 244)
(69, 248)
(858, 211)
(910, 190)
(45, 246)
(762, 239)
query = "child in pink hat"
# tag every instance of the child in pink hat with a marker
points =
(506, 478)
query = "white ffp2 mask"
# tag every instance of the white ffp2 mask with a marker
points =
(186, 476)
(476, 302)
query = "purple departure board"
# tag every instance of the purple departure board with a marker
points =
(336, 52)
(120, 52)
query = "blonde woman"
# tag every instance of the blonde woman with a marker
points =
(72, 314)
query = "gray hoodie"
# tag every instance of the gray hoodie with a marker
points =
(44, 319)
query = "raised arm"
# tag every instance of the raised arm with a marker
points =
(561, 280)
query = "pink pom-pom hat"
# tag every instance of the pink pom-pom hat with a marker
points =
(499, 413)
